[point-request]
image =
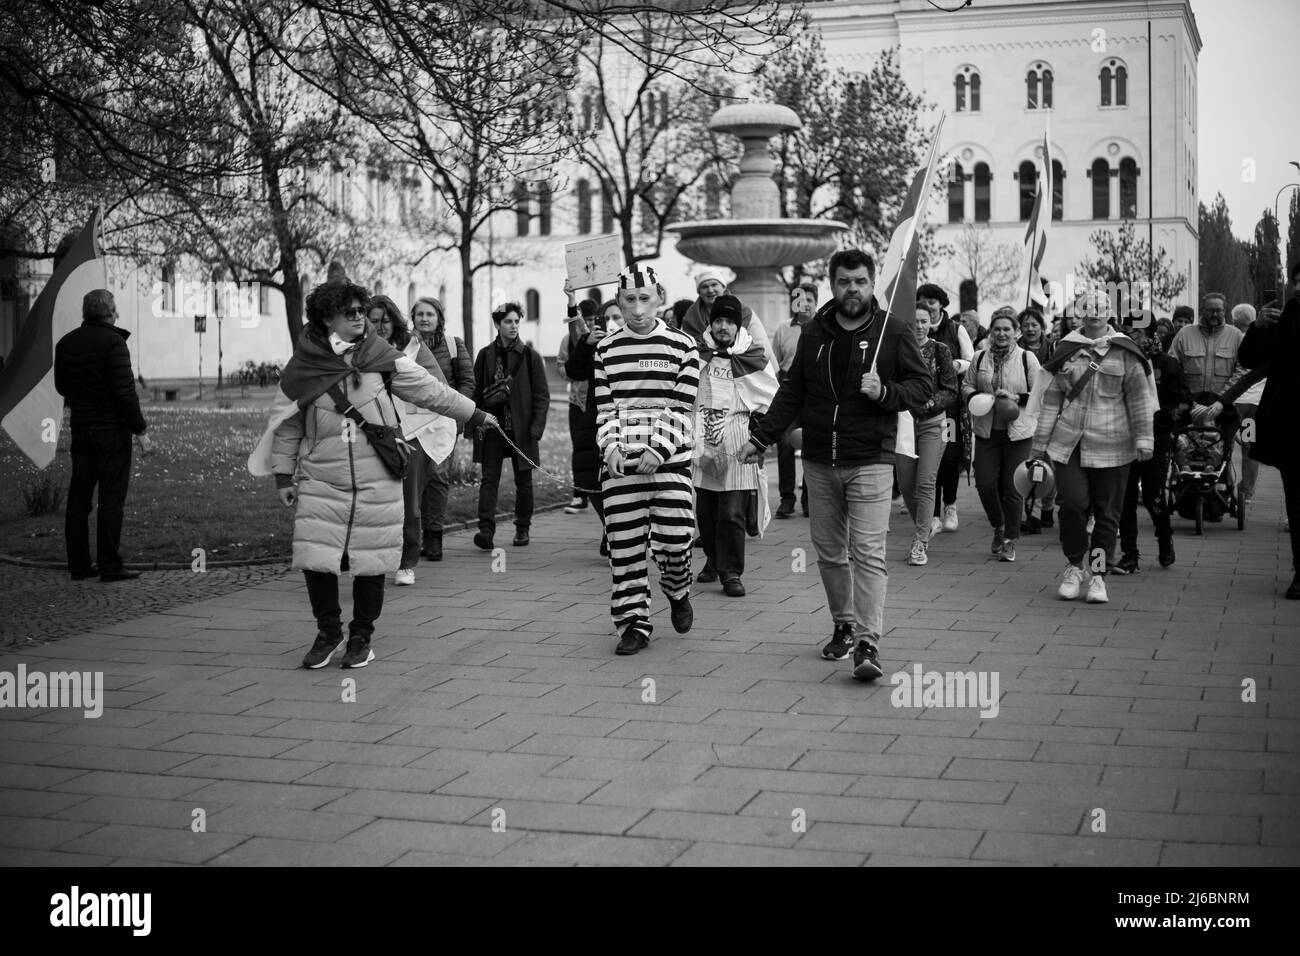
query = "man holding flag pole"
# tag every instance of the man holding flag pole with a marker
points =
(91, 367)
(856, 370)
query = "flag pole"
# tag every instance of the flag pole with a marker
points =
(922, 204)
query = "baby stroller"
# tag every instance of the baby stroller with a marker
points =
(1201, 483)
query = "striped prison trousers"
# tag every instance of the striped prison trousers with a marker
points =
(654, 510)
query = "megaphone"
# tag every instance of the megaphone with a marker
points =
(1034, 478)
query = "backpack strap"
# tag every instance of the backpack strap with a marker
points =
(1094, 363)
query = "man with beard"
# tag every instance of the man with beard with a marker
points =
(855, 369)
(695, 322)
(736, 381)
(646, 378)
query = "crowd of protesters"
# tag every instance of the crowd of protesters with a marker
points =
(672, 407)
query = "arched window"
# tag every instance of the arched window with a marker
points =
(532, 305)
(1128, 188)
(169, 287)
(544, 209)
(1038, 87)
(983, 190)
(1100, 189)
(712, 196)
(606, 210)
(1058, 190)
(967, 85)
(442, 295)
(584, 207)
(1114, 83)
(957, 194)
(523, 212)
(1028, 177)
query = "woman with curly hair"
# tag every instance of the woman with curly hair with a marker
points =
(349, 509)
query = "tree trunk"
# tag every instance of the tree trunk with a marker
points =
(293, 296)
(467, 295)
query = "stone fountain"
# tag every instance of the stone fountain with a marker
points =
(756, 241)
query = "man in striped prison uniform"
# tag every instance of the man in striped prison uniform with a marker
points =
(646, 377)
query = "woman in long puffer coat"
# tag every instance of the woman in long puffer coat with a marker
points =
(349, 506)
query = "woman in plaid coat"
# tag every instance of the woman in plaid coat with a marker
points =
(1096, 402)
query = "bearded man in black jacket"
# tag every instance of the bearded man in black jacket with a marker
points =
(92, 370)
(855, 368)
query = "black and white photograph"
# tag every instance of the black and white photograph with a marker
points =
(706, 433)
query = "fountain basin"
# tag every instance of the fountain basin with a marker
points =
(757, 243)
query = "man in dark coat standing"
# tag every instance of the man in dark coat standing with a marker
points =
(92, 370)
(510, 382)
(1273, 344)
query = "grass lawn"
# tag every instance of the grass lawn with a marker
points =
(194, 490)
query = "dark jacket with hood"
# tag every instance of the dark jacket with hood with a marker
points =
(841, 426)
(92, 370)
(530, 395)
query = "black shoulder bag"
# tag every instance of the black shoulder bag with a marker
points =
(384, 439)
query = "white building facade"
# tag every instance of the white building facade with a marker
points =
(1115, 79)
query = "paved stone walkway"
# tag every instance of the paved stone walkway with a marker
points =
(496, 726)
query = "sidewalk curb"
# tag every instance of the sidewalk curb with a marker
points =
(248, 563)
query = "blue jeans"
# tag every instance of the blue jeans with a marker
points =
(848, 519)
(918, 477)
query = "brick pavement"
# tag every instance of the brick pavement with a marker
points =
(496, 699)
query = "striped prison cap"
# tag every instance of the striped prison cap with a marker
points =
(636, 277)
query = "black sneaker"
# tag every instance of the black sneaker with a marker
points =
(683, 615)
(521, 538)
(358, 653)
(866, 665)
(786, 509)
(732, 587)
(634, 639)
(483, 540)
(707, 576)
(1127, 564)
(841, 645)
(995, 549)
(1166, 552)
(321, 652)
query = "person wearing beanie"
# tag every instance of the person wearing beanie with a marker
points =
(646, 380)
(737, 381)
(695, 322)
(957, 453)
